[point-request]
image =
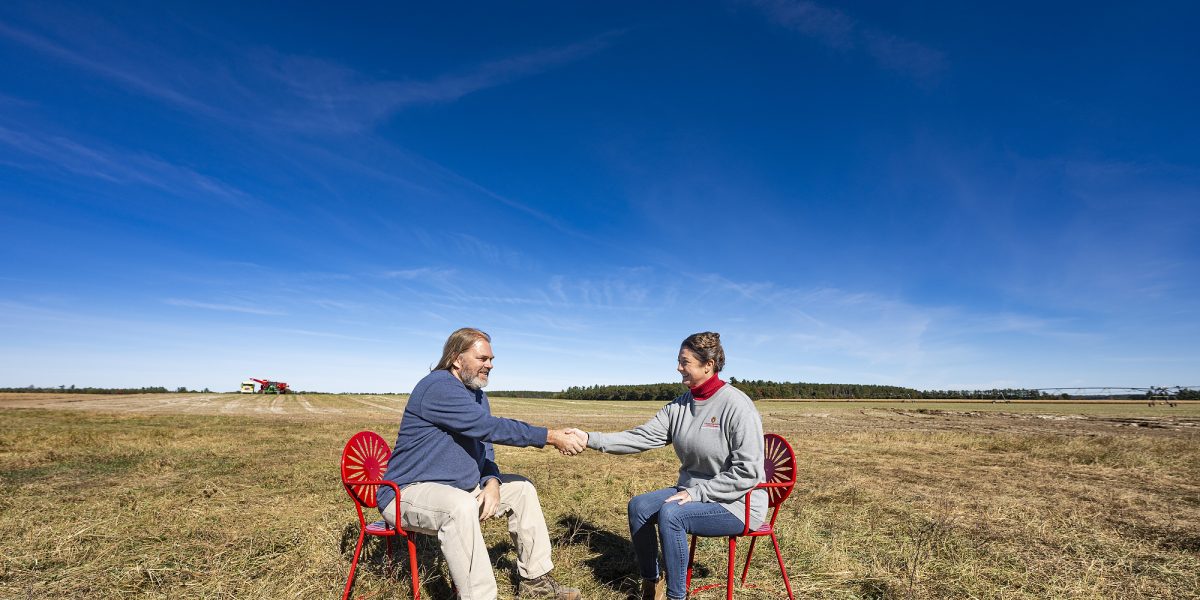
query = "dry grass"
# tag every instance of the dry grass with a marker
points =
(225, 496)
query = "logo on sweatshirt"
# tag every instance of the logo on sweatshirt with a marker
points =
(711, 424)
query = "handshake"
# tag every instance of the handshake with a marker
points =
(569, 441)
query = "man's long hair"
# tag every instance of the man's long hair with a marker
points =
(460, 341)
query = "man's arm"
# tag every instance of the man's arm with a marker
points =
(450, 406)
(488, 469)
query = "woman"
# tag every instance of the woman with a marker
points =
(717, 433)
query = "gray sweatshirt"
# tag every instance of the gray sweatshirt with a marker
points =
(719, 442)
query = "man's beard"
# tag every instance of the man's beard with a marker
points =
(473, 381)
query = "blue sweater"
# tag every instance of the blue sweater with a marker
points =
(446, 436)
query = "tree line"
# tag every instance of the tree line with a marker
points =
(71, 389)
(757, 389)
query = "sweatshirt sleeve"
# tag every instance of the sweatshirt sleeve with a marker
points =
(654, 433)
(489, 469)
(744, 469)
(453, 408)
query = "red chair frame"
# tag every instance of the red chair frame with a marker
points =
(780, 463)
(364, 462)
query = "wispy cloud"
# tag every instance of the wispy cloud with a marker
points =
(419, 273)
(100, 63)
(237, 308)
(900, 55)
(829, 26)
(266, 88)
(336, 305)
(279, 95)
(840, 31)
(119, 167)
(336, 336)
(329, 97)
(493, 254)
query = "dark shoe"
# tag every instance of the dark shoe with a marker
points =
(546, 587)
(654, 589)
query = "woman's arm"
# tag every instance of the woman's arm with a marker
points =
(654, 433)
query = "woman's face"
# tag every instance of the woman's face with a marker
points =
(693, 371)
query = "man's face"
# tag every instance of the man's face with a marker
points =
(472, 367)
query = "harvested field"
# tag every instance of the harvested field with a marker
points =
(237, 496)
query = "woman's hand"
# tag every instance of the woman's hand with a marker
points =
(680, 497)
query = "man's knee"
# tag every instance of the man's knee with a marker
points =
(518, 493)
(462, 509)
(522, 488)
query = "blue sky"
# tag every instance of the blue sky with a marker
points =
(935, 195)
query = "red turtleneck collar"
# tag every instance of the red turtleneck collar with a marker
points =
(705, 390)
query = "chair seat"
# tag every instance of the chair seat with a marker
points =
(380, 527)
(764, 529)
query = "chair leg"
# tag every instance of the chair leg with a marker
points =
(749, 553)
(782, 569)
(687, 585)
(354, 563)
(390, 561)
(729, 570)
(412, 566)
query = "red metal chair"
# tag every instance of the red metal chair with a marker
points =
(780, 462)
(364, 462)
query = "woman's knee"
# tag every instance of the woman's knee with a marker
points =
(642, 507)
(672, 514)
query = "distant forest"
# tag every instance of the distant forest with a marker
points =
(70, 389)
(758, 389)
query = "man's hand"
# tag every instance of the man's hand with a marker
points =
(488, 499)
(580, 434)
(681, 497)
(567, 443)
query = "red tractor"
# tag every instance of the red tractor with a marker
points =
(271, 387)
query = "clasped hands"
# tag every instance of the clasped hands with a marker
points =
(569, 441)
(572, 441)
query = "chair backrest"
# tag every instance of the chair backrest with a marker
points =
(364, 459)
(780, 462)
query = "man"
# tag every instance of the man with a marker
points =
(449, 481)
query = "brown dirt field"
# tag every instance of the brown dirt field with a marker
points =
(894, 500)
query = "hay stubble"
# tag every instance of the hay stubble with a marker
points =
(226, 496)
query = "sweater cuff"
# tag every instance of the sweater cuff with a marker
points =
(539, 436)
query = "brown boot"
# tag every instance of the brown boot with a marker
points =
(654, 589)
(546, 587)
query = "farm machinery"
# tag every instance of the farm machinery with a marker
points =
(271, 387)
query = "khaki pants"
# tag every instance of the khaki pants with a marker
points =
(453, 516)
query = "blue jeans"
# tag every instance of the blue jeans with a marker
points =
(675, 522)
